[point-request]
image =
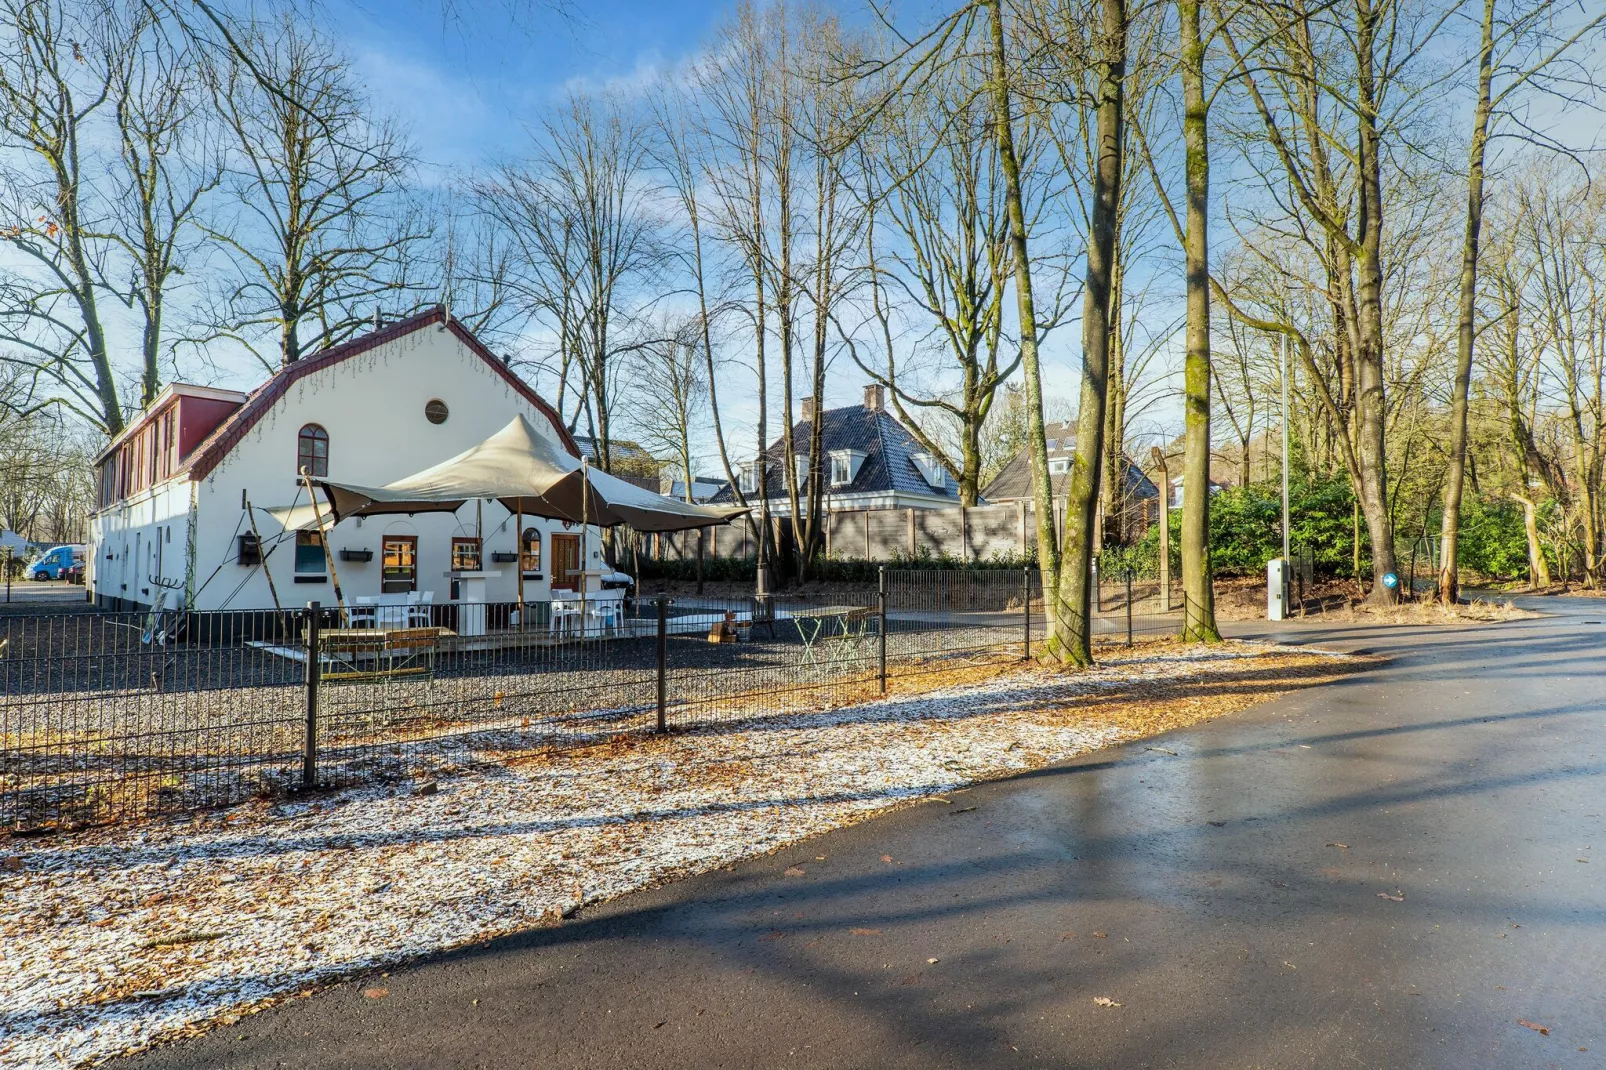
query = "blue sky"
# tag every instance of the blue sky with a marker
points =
(466, 77)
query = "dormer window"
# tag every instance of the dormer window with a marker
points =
(1058, 466)
(800, 466)
(931, 469)
(749, 478)
(845, 466)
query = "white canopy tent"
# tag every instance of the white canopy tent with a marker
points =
(529, 475)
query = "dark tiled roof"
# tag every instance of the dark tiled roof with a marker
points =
(888, 450)
(1014, 482)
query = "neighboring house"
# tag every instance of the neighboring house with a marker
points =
(626, 457)
(10, 540)
(1176, 491)
(628, 460)
(703, 488)
(171, 524)
(1139, 495)
(871, 462)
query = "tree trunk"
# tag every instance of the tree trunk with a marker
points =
(1538, 567)
(1198, 595)
(1370, 408)
(1082, 496)
(1450, 527)
(1048, 548)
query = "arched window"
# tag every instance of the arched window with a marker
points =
(312, 451)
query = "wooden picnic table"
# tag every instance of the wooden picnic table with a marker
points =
(852, 627)
(393, 651)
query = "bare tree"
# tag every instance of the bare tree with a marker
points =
(1075, 593)
(320, 234)
(58, 63)
(579, 212)
(938, 184)
(670, 395)
(1520, 45)
(170, 163)
(736, 80)
(1327, 86)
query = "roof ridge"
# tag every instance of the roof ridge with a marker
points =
(216, 446)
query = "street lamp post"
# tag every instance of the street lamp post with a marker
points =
(1285, 447)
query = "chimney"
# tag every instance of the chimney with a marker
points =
(808, 410)
(875, 397)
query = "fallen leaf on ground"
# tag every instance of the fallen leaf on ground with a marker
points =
(1099, 936)
(794, 871)
(1105, 1001)
(375, 993)
(931, 962)
(1400, 898)
(1162, 750)
(865, 932)
(1341, 846)
(886, 858)
(1542, 1030)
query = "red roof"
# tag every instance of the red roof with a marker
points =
(217, 445)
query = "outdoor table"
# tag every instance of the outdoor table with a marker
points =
(471, 599)
(811, 621)
(393, 651)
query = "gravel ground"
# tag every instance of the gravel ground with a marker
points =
(88, 755)
(112, 940)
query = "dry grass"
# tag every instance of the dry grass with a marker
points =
(1139, 704)
(1475, 612)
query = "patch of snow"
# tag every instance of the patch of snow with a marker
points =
(111, 940)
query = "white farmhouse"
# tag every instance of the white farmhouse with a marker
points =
(172, 525)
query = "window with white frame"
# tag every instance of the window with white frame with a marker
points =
(749, 478)
(800, 466)
(845, 466)
(1058, 466)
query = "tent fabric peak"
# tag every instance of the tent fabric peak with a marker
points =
(528, 474)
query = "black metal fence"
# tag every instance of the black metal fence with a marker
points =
(114, 717)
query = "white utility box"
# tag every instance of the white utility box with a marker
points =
(1277, 589)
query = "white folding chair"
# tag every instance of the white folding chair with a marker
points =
(419, 609)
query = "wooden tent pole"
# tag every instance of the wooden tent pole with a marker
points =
(323, 537)
(262, 557)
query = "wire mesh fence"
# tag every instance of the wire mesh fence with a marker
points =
(108, 717)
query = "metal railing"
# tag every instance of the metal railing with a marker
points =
(108, 717)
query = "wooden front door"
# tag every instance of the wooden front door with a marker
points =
(566, 561)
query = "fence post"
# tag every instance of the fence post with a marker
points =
(1026, 613)
(881, 624)
(1129, 607)
(662, 602)
(309, 760)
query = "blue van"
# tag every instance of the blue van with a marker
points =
(56, 562)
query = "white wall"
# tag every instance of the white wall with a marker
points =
(372, 405)
(139, 548)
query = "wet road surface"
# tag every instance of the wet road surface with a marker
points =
(1396, 870)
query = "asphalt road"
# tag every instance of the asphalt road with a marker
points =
(1206, 893)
